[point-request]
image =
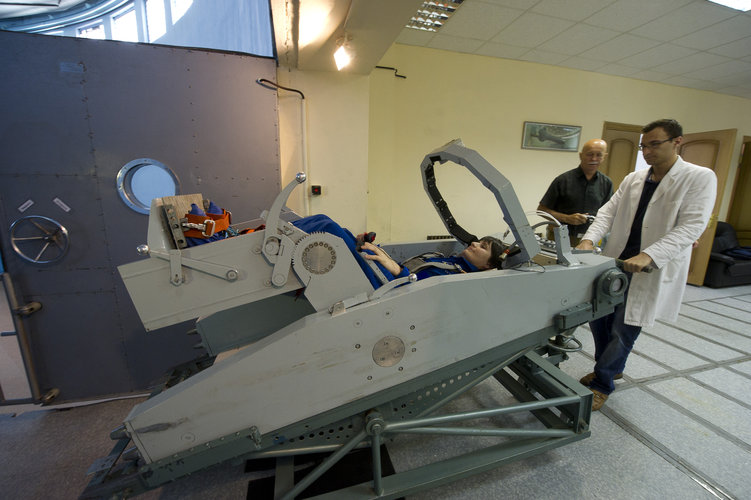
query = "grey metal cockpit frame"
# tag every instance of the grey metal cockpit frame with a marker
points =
(327, 364)
(493, 180)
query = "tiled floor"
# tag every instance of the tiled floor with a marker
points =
(678, 426)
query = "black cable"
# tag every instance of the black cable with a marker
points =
(396, 71)
(265, 83)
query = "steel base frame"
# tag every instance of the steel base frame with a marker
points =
(554, 398)
(557, 400)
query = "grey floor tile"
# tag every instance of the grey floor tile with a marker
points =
(51, 450)
(725, 310)
(573, 471)
(698, 446)
(694, 293)
(697, 345)
(639, 368)
(715, 333)
(744, 367)
(728, 382)
(745, 298)
(671, 356)
(691, 311)
(743, 308)
(712, 407)
(577, 365)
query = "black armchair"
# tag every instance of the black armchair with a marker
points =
(723, 269)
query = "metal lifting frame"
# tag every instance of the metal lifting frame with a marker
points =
(534, 371)
(540, 388)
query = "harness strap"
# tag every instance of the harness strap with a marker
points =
(205, 226)
(419, 262)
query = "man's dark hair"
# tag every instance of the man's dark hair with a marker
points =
(496, 249)
(671, 127)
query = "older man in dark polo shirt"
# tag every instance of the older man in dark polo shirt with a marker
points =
(578, 193)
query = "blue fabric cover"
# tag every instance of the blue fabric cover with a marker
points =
(323, 224)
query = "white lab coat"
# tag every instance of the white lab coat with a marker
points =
(676, 217)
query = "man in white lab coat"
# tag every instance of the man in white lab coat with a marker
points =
(652, 220)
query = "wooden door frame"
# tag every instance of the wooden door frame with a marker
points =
(625, 127)
(745, 149)
(618, 127)
(700, 253)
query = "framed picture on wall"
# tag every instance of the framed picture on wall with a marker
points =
(550, 136)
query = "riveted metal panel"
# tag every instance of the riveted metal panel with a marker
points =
(75, 111)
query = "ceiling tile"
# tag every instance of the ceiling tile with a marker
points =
(573, 10)
(454, 43)
(684, 21)
(480, 20)
(530, 30)
(654, 76)
(736, 91)
(617, 69)
(663, 53)
(736, 80)
(739, 48)
(577, 39)
(625, 15)
(501, 50)
(409, 36)
(543, 57)
(691, 63)
(683, 81)
(724, 32)
(620, 47)
(720, 71)
(515, 4)
(583, 63)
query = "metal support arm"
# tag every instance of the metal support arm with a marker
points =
(493, 180)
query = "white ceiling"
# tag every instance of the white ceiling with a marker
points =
(689, 43)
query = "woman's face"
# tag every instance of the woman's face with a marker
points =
(478, 254)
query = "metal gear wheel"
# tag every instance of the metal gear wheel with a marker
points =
(316, 253)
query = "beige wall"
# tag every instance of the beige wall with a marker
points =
(389, 124)
(336, 111)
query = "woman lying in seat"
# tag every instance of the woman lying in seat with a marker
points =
(480, 255)
(488, 253)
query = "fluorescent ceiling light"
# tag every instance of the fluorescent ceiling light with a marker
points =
(433, 14)
(743, 5)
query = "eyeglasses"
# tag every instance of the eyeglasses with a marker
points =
(653, 144)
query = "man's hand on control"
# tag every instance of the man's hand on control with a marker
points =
(637, 263)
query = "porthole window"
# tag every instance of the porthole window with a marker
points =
(144, 179)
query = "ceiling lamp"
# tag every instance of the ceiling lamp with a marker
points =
(743, 5)
(432, 15)
(343, 55)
